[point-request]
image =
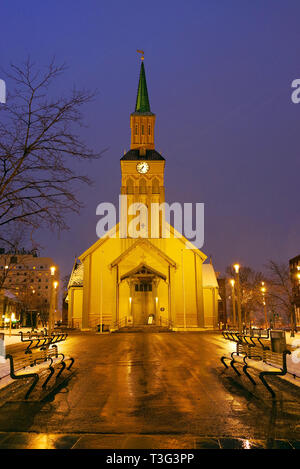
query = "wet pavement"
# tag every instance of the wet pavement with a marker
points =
(137, 390)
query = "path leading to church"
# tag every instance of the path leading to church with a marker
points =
(161, 390)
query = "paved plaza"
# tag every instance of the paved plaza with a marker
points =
(158, 390)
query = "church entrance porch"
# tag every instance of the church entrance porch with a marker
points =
(143, 301)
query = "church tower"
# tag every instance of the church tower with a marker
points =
(142, 167)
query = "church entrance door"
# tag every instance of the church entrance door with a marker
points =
(143, 304)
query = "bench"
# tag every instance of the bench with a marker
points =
(21, 364)
(249, 348)
(39, 339)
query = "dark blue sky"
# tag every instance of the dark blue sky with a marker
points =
(219, 78)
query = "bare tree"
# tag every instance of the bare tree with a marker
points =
(38, 149)
(17, 241)
(280, 291)
(251, 298)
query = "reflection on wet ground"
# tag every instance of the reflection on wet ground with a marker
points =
(153, 391)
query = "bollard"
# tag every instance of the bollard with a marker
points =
(2, 348)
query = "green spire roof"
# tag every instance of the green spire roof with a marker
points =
(142, 100)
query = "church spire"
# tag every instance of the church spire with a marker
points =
(142, 120)
(142, 99)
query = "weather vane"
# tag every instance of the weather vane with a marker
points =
(142, 53)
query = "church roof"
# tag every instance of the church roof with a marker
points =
(76, 278)
(209, 278)
(142, 100)
(135, 155)
(143, 270)
(146, 244)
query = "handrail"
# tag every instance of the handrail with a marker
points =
(164, 321)
(122, 323)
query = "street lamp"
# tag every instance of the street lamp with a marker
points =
(237, 277)
(293, 315)
(232, 282)
(52, 305)
(263, 290)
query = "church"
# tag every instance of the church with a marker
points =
(126, 280)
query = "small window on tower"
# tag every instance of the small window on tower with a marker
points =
(155, 186)
(149, 129)
(136, 129)
(129, 186)
(142, 130)
(143, 186)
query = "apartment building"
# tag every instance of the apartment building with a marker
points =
(30, 279)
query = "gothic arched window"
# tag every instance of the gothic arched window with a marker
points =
(143, 186)
(155, 186)
(129, 186)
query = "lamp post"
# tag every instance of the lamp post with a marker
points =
(54, 285)
(183, 291)
(293, 313)
(52, 305)
(232, 282)
(263, 290)
(237, 278)
(31, 315)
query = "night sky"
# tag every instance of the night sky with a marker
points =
(219, 77)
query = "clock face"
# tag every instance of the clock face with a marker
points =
(142, 167)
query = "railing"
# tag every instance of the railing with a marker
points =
(75, 324)
(165, 322)
(94, 324)
(123, 322)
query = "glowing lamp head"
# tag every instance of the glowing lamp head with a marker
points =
(52, 270)
(55, 285)
(236, 268)
(232, 281)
